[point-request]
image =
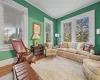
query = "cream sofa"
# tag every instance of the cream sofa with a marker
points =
(70, 51)
(91, 63)
(91, 67)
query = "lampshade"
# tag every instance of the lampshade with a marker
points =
(35, 36)
(56, 35)
(98, 31)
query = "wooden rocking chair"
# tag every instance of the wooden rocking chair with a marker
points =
(21, 51)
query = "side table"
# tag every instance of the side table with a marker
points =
(37, 50)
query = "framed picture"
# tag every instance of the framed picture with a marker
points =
(36, 28)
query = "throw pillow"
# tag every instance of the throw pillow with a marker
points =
(64, 45)
(88, 47)
(72, 45)
(49, 45)
(80, 46)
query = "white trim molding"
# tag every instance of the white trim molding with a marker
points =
(8, 61)
(25, 10)
(93, 2)
(91, 15)
(50, 22)
(25, 23)
(38, 8)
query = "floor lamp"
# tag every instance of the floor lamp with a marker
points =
(57, 36)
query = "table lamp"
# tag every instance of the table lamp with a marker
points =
(35, 37)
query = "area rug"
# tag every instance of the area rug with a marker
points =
(51, 68)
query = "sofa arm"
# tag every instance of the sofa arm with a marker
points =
(92, 51)
(94, 57)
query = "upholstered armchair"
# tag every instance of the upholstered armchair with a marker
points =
(49, 49)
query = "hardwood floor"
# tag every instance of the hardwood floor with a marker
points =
(37, 58)
(58, 68)
(8, 76)
(51, 68)
(6, 69)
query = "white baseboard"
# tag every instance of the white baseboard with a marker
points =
(8, 61)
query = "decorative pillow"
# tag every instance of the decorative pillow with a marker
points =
(80, 46)
(88, 47)
(72, 45)
(64, 45)
(49, 45)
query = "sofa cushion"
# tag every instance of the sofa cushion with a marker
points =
(51, 51)
(82, 52)
(93, 65)
(61, 49)
(80, 58)
(72, 45)
(80, 46)
(71, 50)
(69, 55)
(63, 45)
(94, 57)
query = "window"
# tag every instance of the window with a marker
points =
(13, 23)
(82, 30)
(67, 32)
(48, 31)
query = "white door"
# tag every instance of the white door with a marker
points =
(48, 30)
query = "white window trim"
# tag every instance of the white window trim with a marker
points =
(25, 34)
(51, 22)
(91, 15)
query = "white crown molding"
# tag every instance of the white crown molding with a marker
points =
(38, 8)
(79, 8)
(66, 13)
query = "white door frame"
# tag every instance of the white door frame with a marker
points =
(50, 22)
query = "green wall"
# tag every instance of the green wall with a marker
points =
(34, 15)
(95, 6)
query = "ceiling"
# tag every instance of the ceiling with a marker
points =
(59, 8)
